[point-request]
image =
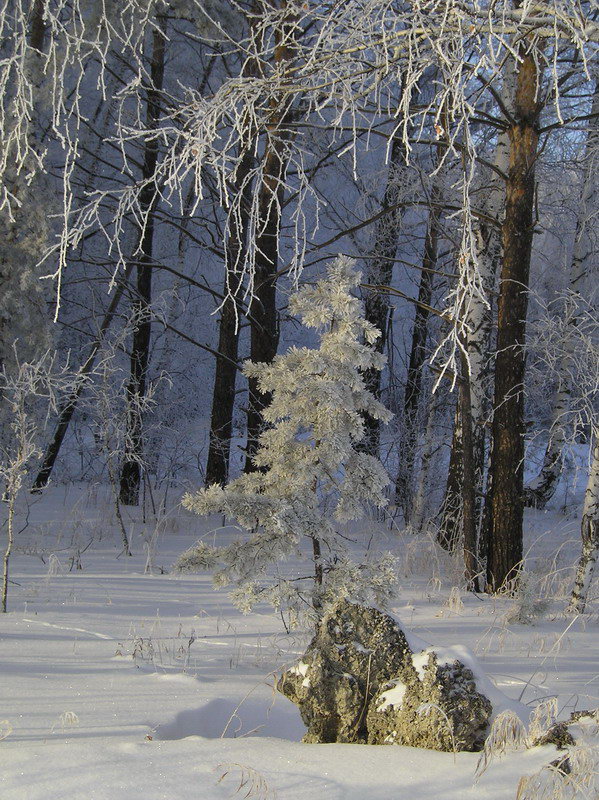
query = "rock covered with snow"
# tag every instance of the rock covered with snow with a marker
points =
(359, 681)
(355, 651)
(431, 705)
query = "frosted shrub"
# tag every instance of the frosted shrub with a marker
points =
(528, 607)
(29, 393)
(310, 476)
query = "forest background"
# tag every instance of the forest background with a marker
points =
(172, 171)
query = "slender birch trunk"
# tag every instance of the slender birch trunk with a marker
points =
(10, 539)
(589, 533)
(543, 487)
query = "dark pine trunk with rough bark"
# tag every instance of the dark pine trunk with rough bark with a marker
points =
(450, 527)
(504, 496)
(140, 350)
(223, 395)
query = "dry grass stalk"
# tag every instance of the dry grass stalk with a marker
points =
(248, 782)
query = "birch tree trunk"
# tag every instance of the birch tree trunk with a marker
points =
(506, 472)
(140, 351)
(543, 487)
(589, 533)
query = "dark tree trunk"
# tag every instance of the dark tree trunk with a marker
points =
(451, 509)
(140, 350)
(379, 272)
(412, 396)
(504, 496)
(223, 397)
(37, 31)
(479, 319)
(469, 524)
(264, 320)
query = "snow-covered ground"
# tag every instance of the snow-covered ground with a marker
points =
(115, 684)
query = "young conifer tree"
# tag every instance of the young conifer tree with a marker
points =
(311, 477)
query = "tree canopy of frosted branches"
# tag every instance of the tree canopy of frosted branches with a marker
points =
(226, 124)
(353, 67)
(314, 476)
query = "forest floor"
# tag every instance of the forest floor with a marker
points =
(115, 684)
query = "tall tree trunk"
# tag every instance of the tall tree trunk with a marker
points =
(504, 552)
(589, 532)
(37, 29)
(412, 397)
(140, 350)
(479, 324)
(225, 372)
(264, 320)
(379, 272)
(430, 448)
(468, 477)
(542, 488)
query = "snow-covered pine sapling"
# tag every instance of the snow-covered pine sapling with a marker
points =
(311, 475)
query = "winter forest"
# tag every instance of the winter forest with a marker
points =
(299, 399)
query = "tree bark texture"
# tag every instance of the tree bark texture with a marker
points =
(37, 32)
(140, 349)
(223, 396)
(264, 320)
(469, 521)
(504, 552)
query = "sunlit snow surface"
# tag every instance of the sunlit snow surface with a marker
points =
(117, 685)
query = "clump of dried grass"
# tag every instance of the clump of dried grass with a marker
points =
(246, 781)
(572, 776)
